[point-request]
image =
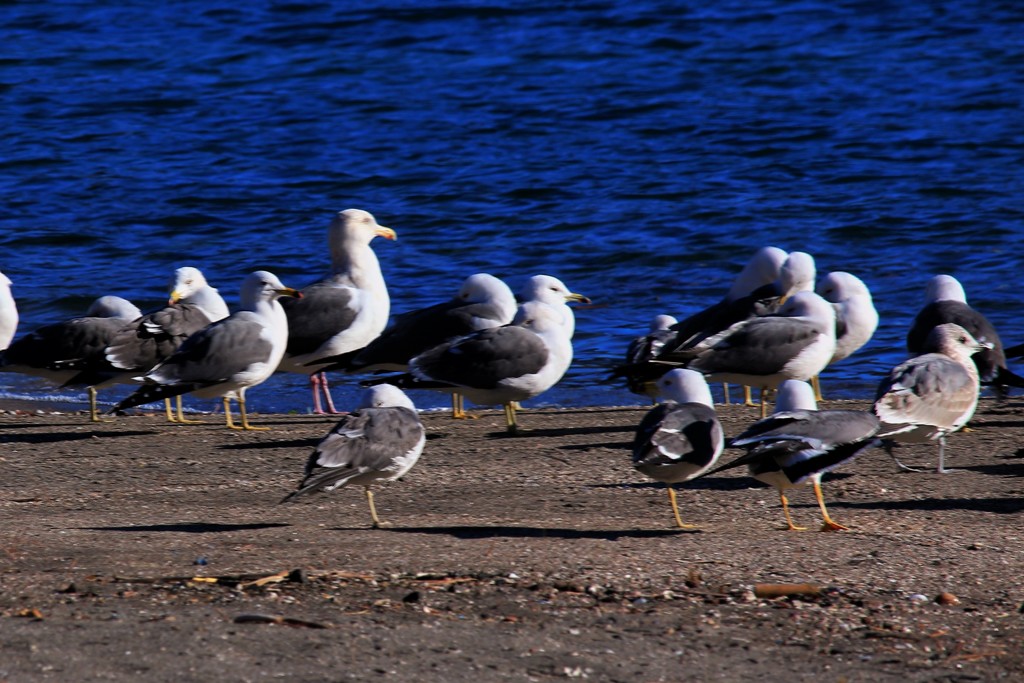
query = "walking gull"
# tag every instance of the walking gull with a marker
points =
(379, 441)
(929, 396)
(226, 357)
(56, 351)
(342, 311)
(680, 438)
(799, 443)
(946, 302)
(500, 365)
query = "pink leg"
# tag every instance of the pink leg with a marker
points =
(314, 384)
(318, 382)
(327, 394)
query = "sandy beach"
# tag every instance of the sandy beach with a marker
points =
(142, 550)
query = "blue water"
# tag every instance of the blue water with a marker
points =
(641, 151)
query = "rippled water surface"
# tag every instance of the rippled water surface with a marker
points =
(640, 151)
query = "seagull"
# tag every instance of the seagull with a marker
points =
(797, 342)
(52, 351)
(149, 339)
(8, 313)
(929, 396)
(856, 317)
(680, 438)
(754, 292)
(799, 443)
(226, 357)
(343, 311)
(946, 302)
(500, 365)
(381, 440)
(483, 301)
(645, 348)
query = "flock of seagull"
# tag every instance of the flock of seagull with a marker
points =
(775, 329)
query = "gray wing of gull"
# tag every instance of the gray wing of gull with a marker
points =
(323, 311)
(931, 390)
(216, 353)
(417, 331)
(367, 440)
(73, 343)
(484, 359)
(148, 340)
(672, 433)
(761, 346)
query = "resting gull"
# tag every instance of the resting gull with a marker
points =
(929, 396)
(754, 292)
(797, 342)
(946, 302)
(226, 357)
(483, 301)
(646, 348)
(500, 365)
(681, 438)
(379, 441)
(53, 351)
(8, 313)
(139, 345)
(770, 274)
(799, 443)
(856, 317)
(343, 311)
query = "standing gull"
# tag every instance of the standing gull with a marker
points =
(946, 302)
(680, 438)
(797, 342)
(379, 441)
(798, 444)
(226, 357)
(8, 313)
(500, 365)
(856, 317)
(139, 345)
(55, 351)
(343, 311)
(929, 396)
(483, 301)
